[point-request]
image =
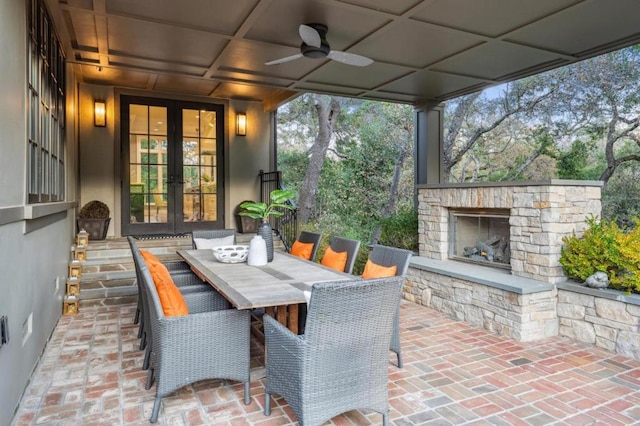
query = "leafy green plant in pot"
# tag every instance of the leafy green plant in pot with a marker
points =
(94, 218)
(262, 212)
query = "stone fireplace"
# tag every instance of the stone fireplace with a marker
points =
(533, 300)
(453, 218)
(480, 236)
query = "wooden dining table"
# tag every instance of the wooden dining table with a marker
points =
(277, 287)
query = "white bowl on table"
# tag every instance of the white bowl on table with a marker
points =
(231, 254)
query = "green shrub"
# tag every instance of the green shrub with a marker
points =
(400, 230)
(608, 248)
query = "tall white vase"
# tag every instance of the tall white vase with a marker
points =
(257, 252)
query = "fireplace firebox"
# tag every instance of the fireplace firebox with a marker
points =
(480, 236)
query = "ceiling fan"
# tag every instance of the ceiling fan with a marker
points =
(315, 45)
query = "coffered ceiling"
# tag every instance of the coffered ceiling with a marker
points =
(423, 50)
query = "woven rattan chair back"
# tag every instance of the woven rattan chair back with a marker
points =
(340, 244)
(341, 362)
(390, 256)
(311, 237)
(212, 233)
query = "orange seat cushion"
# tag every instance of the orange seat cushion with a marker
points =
(373, 270)
(334, 259)
(172, 301)
(302, 250)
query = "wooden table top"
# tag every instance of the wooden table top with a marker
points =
(278, 283)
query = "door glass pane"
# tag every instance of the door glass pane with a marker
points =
(199, 164)
(147, 164)
(207, 124)
(209, 207)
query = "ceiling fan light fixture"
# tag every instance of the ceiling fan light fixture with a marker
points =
(315, 52)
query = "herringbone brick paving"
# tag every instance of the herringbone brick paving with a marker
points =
(454, 374)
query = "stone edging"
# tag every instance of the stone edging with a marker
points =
(606, 293)
(491, 277)
(526, 309)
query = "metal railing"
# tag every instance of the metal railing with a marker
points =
(285, 226)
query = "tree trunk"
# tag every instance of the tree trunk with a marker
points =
(327, 116)
(395, 182)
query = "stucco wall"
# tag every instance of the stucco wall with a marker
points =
(33, 252)
(247, 155)
(100, 160)
(97, 152)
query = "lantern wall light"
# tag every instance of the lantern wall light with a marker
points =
(241, 124)
(99, 113)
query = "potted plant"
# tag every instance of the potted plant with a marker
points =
(94, 218)
(244, 223)
(262, 211)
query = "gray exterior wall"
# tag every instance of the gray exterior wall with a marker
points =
(34, 240)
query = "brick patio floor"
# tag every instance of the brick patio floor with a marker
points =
(90, 374)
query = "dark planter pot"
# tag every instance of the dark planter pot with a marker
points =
(266, 232)
(96, 228)
(246, 225)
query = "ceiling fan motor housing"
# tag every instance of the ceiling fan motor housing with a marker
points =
(315, 52)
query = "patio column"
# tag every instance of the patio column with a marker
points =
(428, 143)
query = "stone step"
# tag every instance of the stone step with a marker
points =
(108, 274)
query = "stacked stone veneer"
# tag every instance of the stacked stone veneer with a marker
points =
(541, 214)
(522, 316)
(521, 304)
(604, 318)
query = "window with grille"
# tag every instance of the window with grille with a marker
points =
(45, 108)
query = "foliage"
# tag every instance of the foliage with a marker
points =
(574, 163)
(261, 210)
(94, 210)
(239, 209)
(608, 248)
(353, 191)
(620, 196)
(585, 116)
(401, 230)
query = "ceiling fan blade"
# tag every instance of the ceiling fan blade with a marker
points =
(309, 35)
(283, 60)
(350, 58)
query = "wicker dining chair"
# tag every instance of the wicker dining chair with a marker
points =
(174, 267)
(340, 244)
(390, 256)
(211, 342)
(340, 363)
(311, 237)
(209, 234)
(187, 281)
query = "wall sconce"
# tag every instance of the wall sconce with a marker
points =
(99, 113)
(241, 124)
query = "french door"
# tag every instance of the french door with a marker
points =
(172, 154)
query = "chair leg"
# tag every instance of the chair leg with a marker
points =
(147, 358)
(149, 382)
(143, 339)
(399, 360)
(156, 410)
(385, 418)
(267, 404)
(140, 329)
(247, 396)
(136, 318)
